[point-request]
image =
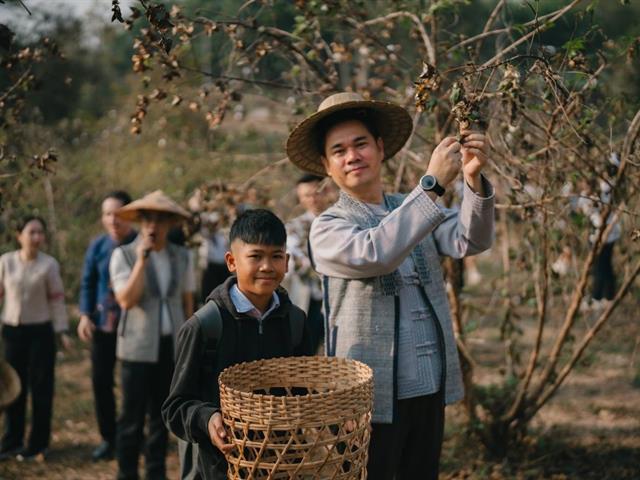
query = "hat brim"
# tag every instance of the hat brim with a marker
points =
(131, 212)
(393, 122)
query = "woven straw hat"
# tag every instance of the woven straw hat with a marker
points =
(393, 122)
(156, 201)
(9, 385)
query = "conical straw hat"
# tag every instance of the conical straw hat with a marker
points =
(156, 201)
(9, 385)
(393, 122)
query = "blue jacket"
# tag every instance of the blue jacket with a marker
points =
(96, 297)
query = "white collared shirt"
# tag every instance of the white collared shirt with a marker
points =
(244, 305)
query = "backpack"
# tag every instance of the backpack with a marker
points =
(210, 321)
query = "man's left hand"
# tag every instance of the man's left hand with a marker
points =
(475, 153)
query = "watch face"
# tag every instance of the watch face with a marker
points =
(428, 182)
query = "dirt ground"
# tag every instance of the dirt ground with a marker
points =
(590, 430)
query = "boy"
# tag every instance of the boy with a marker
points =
(257, 322)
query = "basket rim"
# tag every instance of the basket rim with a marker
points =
(286, 399)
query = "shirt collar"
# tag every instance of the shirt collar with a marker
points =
(244, 305)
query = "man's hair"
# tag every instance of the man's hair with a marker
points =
(309, 178)
(259, 227)
(120, 195)
(363, 115)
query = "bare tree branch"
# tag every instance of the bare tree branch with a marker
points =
(431, 52)
(577, 354)
(526, 37)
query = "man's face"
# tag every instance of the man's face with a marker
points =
(115, 227)
(353, 158)
(156, 226)
(259, 268)
(310, 197)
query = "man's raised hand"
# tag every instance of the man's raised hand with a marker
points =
(446, 161)
(475, 152)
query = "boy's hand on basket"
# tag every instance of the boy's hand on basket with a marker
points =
(350, 426)
(218, 434)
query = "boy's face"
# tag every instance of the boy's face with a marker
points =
(259, 268)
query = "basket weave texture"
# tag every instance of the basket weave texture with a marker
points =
(297, 418)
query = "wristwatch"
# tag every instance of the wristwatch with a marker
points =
(430, 184)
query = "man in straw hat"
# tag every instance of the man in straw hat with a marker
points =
(384, 296)
(153, 282)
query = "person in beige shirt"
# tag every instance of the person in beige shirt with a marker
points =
(33, 312)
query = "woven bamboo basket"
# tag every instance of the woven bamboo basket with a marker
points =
(297, 418)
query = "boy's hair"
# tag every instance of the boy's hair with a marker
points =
(260, 227)
(309, 178)
(363, 115)
(120, 195)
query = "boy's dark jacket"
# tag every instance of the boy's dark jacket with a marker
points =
(194, 398)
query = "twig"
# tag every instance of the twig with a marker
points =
(248, 181)
(494, 15)
(15, 85)
(24, 6)
(498, 31)
(431, 53)
(265, 83)
(577, 354)
(558, 14)
(403, 161)
(632, 134)
(542, 290)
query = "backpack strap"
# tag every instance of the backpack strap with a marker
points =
(210, 321)
(296, 325)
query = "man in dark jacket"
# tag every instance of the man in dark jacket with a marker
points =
(256, 324)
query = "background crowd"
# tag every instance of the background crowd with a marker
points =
(185, 245)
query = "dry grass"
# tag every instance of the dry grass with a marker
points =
(590, 430)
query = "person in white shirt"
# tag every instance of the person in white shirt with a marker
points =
(153, 281)
(33, 312)
(301, 281)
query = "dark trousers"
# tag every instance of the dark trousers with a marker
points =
(103, 361)
(31, 351)
(145, 386)
(604, 279)
(410, 447)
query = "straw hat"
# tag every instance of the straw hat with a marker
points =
(9, 385)
(155, 201)
(393, 122)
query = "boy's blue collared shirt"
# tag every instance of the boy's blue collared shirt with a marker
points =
(96, 298)
(244, 305)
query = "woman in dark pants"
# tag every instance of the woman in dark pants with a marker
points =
(33, 312)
